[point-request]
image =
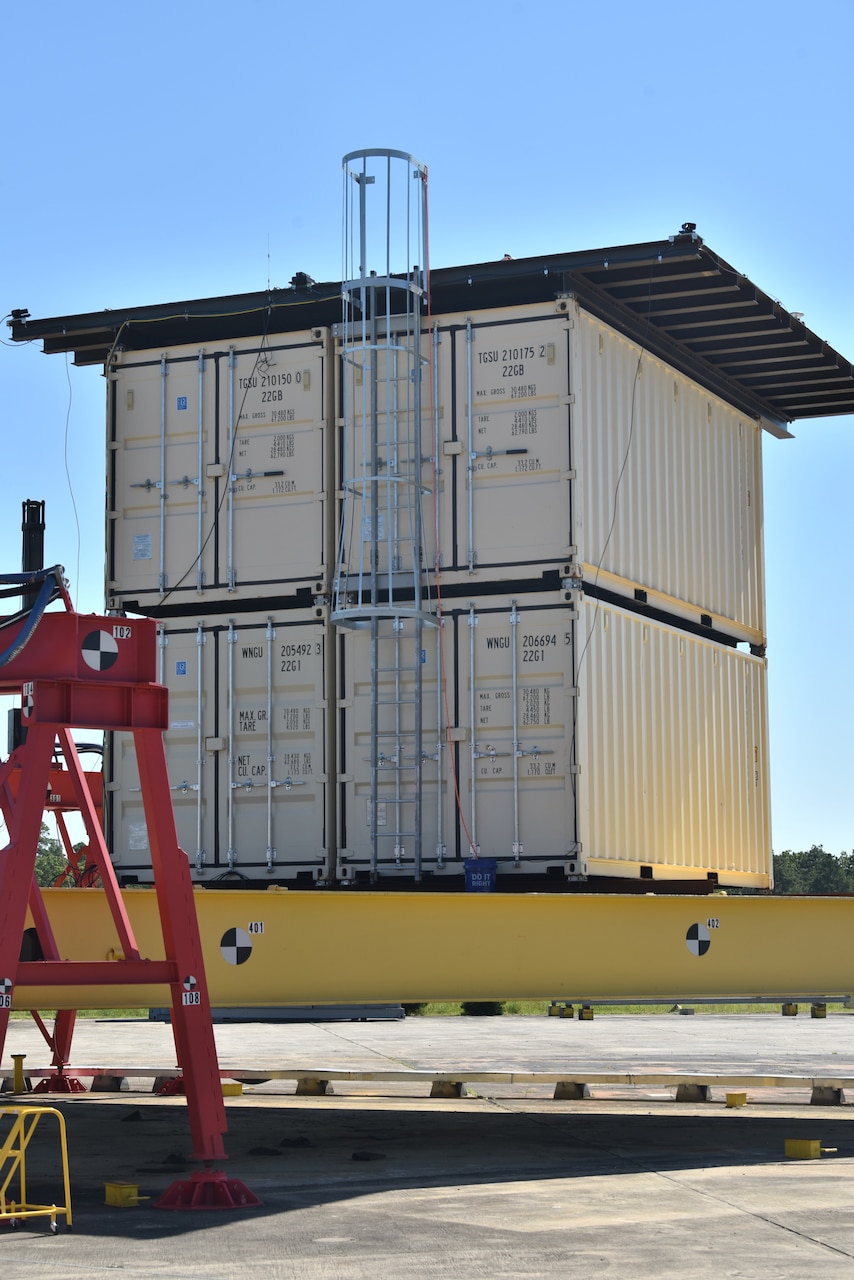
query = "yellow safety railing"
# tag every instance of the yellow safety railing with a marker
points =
(13, 1166)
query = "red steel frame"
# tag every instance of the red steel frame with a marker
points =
(60, 690)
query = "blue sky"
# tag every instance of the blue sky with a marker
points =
(168, 151)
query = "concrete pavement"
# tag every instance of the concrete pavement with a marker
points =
(383, 1182)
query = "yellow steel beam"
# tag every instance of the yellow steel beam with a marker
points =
(317, 947)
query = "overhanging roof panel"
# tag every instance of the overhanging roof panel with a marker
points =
(675, 297)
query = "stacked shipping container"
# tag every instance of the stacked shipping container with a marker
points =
(593, 534)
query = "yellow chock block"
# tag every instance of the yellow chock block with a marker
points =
(554, 1009)
(231, 1088)
(585, 1013)
(789, 1010)
(802, 1148)
(736, 1099)
(567, 1011)
(818, 1010)
(122, 1195)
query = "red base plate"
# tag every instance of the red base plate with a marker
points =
(60, 1084)
(208, 1190)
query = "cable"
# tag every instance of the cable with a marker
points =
(269, 307)
(47, 592)
(227, 485)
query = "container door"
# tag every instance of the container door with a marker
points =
(512, 416)
(186, 667)
(188, 671)
(272, 531)
(515, 692)
(160, 503)
(272, 816)
(401, 808)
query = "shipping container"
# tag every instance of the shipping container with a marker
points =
(561, 440)
(579, 740)
(668, 484)
(547, 438)
(246, 752)
(217, 474)
(672, 749)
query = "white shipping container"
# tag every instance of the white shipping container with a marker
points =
(600, 745)
(673, 753)
(566, 442)
(246, 751)
(217, 472)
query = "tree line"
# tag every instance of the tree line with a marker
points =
(808, 871)
(813, 871)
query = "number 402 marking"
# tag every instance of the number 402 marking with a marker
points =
(713, 923)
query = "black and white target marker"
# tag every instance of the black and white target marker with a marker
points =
(235, 946)
(190, 983)
(27, 700)
(5, 993)
(698, 939)
(99, 650)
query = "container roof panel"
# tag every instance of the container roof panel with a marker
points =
(675, 297)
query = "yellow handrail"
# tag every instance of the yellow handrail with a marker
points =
(13, 1161)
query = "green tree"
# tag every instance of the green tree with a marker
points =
(50, 859)
(813, 870)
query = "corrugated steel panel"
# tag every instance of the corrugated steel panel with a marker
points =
(673, 753)
(217, 476)
(246, 750)
(668, 492)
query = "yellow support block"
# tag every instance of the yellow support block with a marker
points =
(122, 1195)
(382, 947)
(802, 1148)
